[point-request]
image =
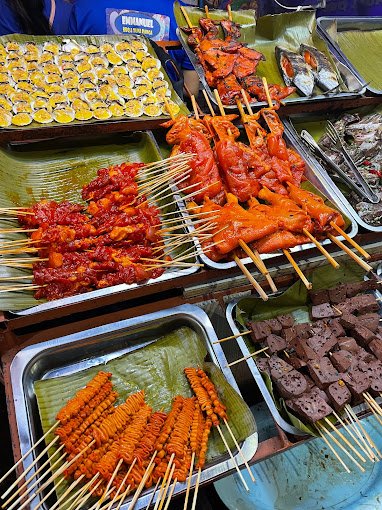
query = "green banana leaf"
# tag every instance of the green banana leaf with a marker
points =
(287, 30)
(295, 301)
(44, 172)
(84, 40)
(158, 370)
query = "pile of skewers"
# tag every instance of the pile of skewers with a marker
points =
(232, 176)
(229, 65)
(117, 239)
(118, 451)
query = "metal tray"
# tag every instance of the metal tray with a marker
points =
(326, 180)
(72, 353)
(326, 25)
(141, 145)
(230, 315)
(355, 86)
(313, 173)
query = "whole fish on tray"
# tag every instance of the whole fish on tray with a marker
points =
(325, 76)
(295, 71)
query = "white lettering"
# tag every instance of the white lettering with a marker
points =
(137, 21)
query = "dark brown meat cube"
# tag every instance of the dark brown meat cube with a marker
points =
(318, 297)
(322, 345)
(379, 332)
(370, 321)
(352, 289)
(365, 356)
(315, 390)
(292, 385)
(357, 384)
(336, 327)
(275, 343)
(290, 334)
(303, 350)
(324, 311)
(303, 330)
(278, 367)
(376, 348)
(362, 335)
(323, 372)
(337, 294)
(275, 326)
(347, 343)
(376, 386)
(262, 365)
(349, 321)
(259, 331)
(311, 407)
(321, 328)
(296, 362)
(286, 321)
(366, 303)
(341, 360)
(339, 395)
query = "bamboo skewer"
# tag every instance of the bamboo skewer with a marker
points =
(197, 483)
(373, 410)
(353, 425)
(50, 492)
(186, 17)
(350, 412)
(153, 494)
(170, 494)
(141, 486)
(318, 245)
(68, 491)
(350, 240)
(344, 439)
(255, 257)
(54, 426)
(114, 474)
(250, 278)
(84, 490)
(166, 489)
(231, 337)
(189, 481)
(351, 254)
(233, 459)
(247, 357)
(333, 450)
(239, 450)
(350, 432)
(305, 281)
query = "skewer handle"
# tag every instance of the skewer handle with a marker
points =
(251, 279)
(367, 267)
(305, 281)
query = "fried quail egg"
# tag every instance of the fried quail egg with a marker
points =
(133, 108)
(42, 116)
(22, 107)
(127, 56)
(106, 48)
(5, 104)
(116, 71)
(116, 109)
(12, 46)
(51, 47)
(92, 49)
(83, 114)
(137, 45)
(74, 94)
(114, 58)
(5, 118)
(19, 96)
(25, 86)
(123, 80)
(21, 119)
(32, 66)
(64, 115)
(102, 113)
(86, 85)
(45, 58)
(84, 66)
(102, 73)
(150, 62)
(152, 110)
(99, 61)
(126, 92)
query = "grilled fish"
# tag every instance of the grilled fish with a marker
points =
(295, 71)
(324, 74)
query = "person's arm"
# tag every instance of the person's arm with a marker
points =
(191, 82)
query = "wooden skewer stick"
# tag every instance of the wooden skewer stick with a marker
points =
(164, 481)
(256, 259)
(333, 450)
(189, 481)
(353, 425)
(170, 494)
(373, 410)
(141, 486)
(266, 88)
(38, 480)
(50, 492)
(350, 411)
(186, 17)
(209, 104)
(305, 281)
(196, 489)
(247, 357)
(239, 450)
(229, 12)
(344, 439)
(350, 240)
(233, 459)
(163, 499)
(355, 439)
(63, 497)
(251, 279)
(358, 429)
(153, 493)
(54, 426)
(351, 254)
(333, 438)
(84, 490)
(377, 406)
(114, 474)
(318, 245)
(26, 471)
(247, 332)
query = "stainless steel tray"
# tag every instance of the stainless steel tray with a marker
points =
(313, 173)
(288, 427)
(355, 86)
(326, 25)
(145, 148)
(73, 353)
(326, 180)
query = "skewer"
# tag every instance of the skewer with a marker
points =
(374, 402)
(266, 88)
(55, 425)
(333, 450)
(305, 281)
(160, 181)
(349, 431)
(16, 230)
(141, 486)
(344, 439)
(153, 494)
(351, 423)
(20, 288)
(259, 264)
(184, 12)
(209, 104)
(114, 474)
(68, 491)
(350, 412)
(164, 481)
(350, 240)
(170, 494)
(163, 499)
(233, 459)
(247, 357)
(251, 279)
(189, 481)
(374, 411)
(229, 12)
(50, 492)
(239, 450)
(318, 245)
(351, 254)
(197, 483)
(342, 447)
(78, 497)
(231, 337)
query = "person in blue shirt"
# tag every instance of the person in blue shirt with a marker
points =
(35, 17)
(154, 20)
